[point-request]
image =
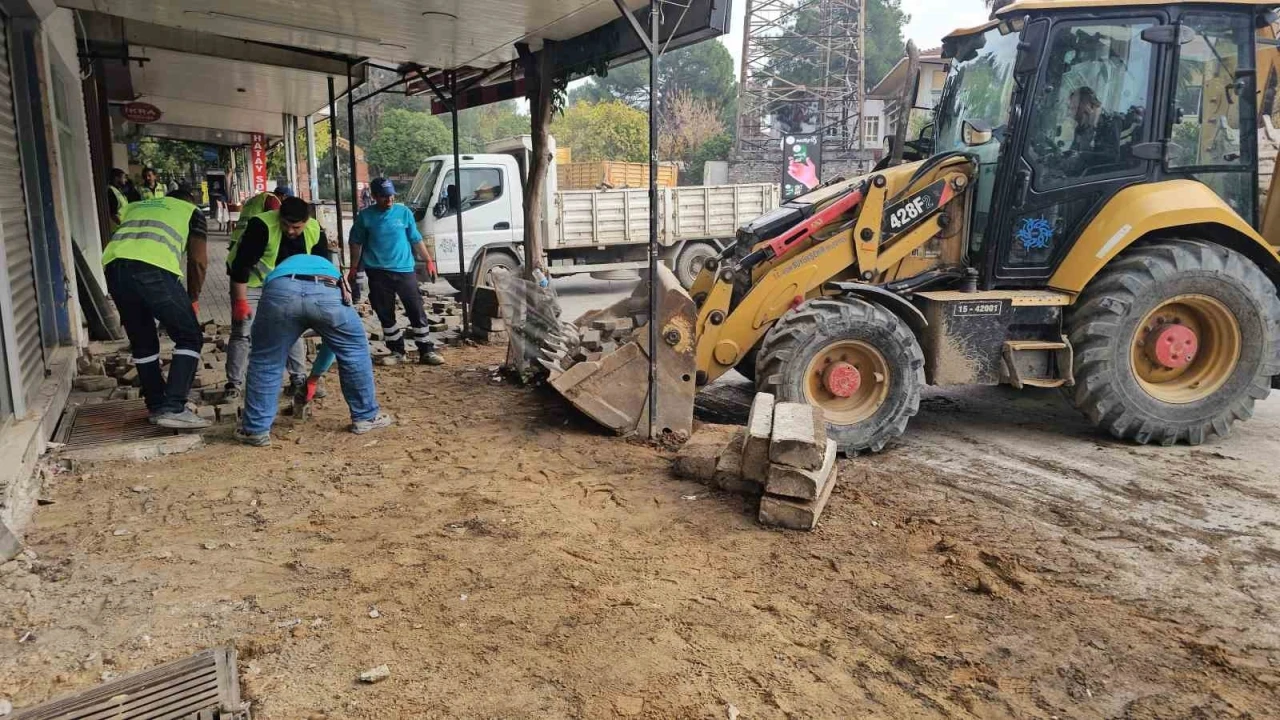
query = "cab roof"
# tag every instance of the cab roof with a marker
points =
(1026, 5)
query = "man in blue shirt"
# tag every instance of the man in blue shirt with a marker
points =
(306, 292)
(386, 240)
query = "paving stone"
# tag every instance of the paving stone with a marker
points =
(728, 475)
(796, 514)
(790, 482)
(94, 383)
(699, 456)
(755, 453)
(799, 436)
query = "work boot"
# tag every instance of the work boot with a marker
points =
(259, 440)
(383, 420)
(392, 359)
(430, 358)
(182, 420)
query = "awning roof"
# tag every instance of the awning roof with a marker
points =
(431, 33)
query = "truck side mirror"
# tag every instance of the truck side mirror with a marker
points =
(975, 133)
(1030, 43)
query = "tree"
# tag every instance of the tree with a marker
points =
(715, 148)
(404, 139)
(704, 70)
(171, 159)
(801, 62)
(275, 156)
(603, 131)
(883, 43)
(479, 126)
(685, 127)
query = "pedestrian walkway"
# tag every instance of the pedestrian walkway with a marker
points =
(215, 298)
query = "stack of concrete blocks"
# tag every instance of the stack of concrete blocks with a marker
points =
(783, 455)
(487, 323)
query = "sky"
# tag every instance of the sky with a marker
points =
(930, 20)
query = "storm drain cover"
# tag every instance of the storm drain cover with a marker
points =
(201, 687)
(114, 421)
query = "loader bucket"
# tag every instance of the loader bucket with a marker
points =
(612, 387)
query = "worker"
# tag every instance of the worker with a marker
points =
(117, 201)
(268, 239)
(143, 268)
(150, 188)
(307, 292)
(385, 238)
(255, 206)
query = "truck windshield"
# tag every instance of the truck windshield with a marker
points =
(424, 182)
(978, 89)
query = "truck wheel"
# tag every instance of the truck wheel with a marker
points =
(690, 261)
(857, 361)
(492, 260)
(1174, 342)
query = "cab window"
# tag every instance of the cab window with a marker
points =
(1090, 107)
(480, 186)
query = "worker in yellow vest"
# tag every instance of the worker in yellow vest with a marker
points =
(117, 201)
(150, 189)
(143, 265)
(253, 207)
(268, 239)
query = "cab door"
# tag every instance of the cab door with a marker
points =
(1085, 123)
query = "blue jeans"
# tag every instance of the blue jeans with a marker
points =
(287, 309)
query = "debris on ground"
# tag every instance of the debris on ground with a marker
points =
(375, 675)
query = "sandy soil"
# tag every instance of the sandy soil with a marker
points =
(1002, 561)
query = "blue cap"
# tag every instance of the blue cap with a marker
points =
(283, 191)
(382, 187)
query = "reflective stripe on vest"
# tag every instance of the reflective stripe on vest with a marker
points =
(275, 235)
(154, 232)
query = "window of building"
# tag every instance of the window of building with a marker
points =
(871, 128)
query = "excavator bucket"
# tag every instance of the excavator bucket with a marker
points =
(611, 384)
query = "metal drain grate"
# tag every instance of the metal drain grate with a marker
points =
(201, 687)
(108, 422)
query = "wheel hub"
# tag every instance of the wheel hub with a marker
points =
(841, 379)
(1172, 346)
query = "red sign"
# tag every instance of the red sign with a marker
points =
(141, 113)
(258, 162)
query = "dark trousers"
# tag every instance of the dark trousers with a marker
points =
(384, 287)
(145, 294)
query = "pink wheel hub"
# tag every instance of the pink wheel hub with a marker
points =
(841, 379)
(1173, 346)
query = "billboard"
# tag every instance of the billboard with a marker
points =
(801, 164)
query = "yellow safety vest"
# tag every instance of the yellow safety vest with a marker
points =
(122, 202)
(255, 206)
(275, 234)
(151, 194)
(153, 232)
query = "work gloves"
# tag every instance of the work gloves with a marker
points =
(241, 310)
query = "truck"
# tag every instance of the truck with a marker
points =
(587, 231)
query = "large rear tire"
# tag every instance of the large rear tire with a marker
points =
(1213, 305)
(690, 261)
(806, 352)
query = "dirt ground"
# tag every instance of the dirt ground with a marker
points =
(1002, 561)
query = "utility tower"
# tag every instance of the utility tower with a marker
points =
(802, 74)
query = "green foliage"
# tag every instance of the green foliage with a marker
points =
(717, 148)
(603, 131)
(802, 62)
(477, 127)
(171, 159)
(704, 70)
(884, 44)
(404, 139)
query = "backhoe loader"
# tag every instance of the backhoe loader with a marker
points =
(1089, 219)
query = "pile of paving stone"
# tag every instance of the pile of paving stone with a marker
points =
(783, 456)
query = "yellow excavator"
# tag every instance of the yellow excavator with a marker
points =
(1089, 218)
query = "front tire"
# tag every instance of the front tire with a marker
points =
(804, 353)
(1212, 304)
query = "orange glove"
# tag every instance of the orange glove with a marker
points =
(195, 305)
(431, 270)
(241, 310)
(311, 388)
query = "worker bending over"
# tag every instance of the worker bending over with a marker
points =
(252, 208)
(306, 292)
(269, 239)
(386, 240)
(143, 265)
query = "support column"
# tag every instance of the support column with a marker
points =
(654, 20)
(313, 167)
(457, 179)
(351, 145)
(337, 175)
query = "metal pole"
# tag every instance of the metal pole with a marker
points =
(654, 48)
(351, 127)
(337, 178)
(457, 179)
(313, 166)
